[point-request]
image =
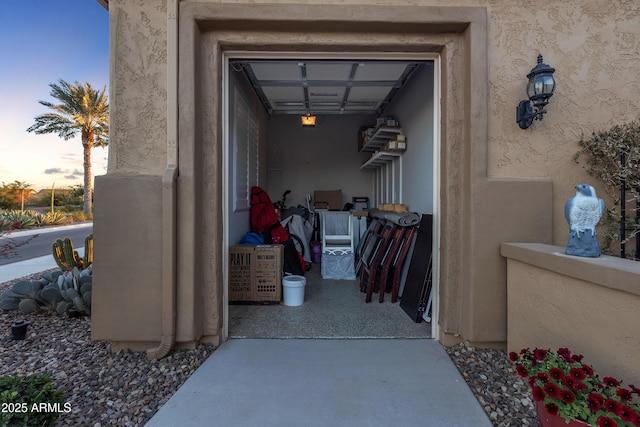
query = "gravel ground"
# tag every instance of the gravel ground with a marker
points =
(492, 378)
(127, 389)
(103, 388)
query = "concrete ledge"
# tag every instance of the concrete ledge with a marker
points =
(611, 272)
(589, 305)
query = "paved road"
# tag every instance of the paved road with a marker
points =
(41, 245)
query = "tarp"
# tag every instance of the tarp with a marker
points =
(403, 219)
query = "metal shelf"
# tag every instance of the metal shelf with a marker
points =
(382, 135)
(380, 159)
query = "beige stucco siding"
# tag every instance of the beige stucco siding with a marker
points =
(498, 182)
(594, 50)
(138, 87)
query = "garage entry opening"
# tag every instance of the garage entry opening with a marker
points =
(374, 145)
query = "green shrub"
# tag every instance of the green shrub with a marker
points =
(30, 401)
(613, 157)
(78, 216)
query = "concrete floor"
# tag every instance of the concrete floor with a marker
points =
(331, 309)
(324, 382)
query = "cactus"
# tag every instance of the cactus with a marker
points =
(77, 291)
(28, 305)
(58, 291)
(88, 251)
(65, 256)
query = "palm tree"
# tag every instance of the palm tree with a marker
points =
(81, 110)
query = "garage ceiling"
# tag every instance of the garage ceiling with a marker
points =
(325, 86)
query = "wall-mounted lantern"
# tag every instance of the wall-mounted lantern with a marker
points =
(539, 89)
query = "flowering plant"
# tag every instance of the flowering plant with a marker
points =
(570, 389)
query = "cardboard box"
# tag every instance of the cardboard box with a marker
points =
(331, 200)
(396, 145)
(255, 273)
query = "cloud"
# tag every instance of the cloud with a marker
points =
(70, 157)
(70, 177)
(54, 171)
(78, 172)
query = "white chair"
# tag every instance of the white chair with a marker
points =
(337, 233)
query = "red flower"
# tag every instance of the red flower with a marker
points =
(563, 351)
(594, 403)
(513, 356)
(567, 396)
(624, 394)
(606, 422)
(538, 394)
(611, 382)
(556, 374)
(544, 378)
(577, 374)
(532, 381)
(628, 414)
(569, 382)
(522, 371)
(634, 389)
(587, 370)
(552, 408)
(598, 397)
(577, 357)
(540, 354)
(580, 386)
(552, 390)
(613, 406)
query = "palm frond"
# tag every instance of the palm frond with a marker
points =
(81, 108)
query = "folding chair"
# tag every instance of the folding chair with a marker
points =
(374, 253)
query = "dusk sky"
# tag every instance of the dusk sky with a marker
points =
(41, 42)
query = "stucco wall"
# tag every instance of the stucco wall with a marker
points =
(588, 305)
(592, 49)
(138, 87)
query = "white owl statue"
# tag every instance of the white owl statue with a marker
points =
(583, 212)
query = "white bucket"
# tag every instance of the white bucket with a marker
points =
(293, 289)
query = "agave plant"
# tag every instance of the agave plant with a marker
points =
(51, 218)
(19, 219)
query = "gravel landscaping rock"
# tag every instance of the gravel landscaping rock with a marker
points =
(103, 388)
(492, 378)
(127, 389)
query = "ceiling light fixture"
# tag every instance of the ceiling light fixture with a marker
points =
(308, 120)
(539, 89)
(325, 104)
(323, 94)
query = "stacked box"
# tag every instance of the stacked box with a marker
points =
(255, 273)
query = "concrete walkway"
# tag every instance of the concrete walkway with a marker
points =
(324, 382)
